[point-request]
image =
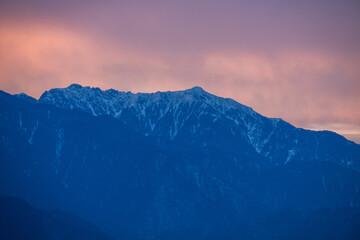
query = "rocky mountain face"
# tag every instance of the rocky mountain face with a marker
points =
(196, 117)
(175, 165)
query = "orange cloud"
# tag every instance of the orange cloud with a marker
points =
(247, 66)
(303, 87)
(37, 57)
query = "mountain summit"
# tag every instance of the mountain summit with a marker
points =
(112, 102)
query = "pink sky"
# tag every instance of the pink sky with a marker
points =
(298, 60)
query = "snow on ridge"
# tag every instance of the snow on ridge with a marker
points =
(170, 114)
(112, 102)
(152, 110)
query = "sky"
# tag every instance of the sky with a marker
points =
(295, 60)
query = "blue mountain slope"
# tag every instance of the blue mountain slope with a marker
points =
(198, 118)
(208, 181)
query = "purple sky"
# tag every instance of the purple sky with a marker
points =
(298, 60)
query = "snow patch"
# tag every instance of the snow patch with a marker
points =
(33, 132)
(20, 120)
(291, 154)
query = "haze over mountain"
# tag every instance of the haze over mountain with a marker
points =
(175, 165)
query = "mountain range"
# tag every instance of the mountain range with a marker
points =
(175, 165)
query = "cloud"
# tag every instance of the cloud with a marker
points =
(301, 87)
(36, 57)
(296, 61)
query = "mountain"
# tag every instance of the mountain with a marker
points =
(175, 165)
(19, 220)
(195, 117)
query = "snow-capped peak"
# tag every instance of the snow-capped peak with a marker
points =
(165, 113)
(90, 99)
(193, 114)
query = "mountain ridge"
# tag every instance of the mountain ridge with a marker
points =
(179, 115)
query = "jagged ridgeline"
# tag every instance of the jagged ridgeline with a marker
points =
(176, 165)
